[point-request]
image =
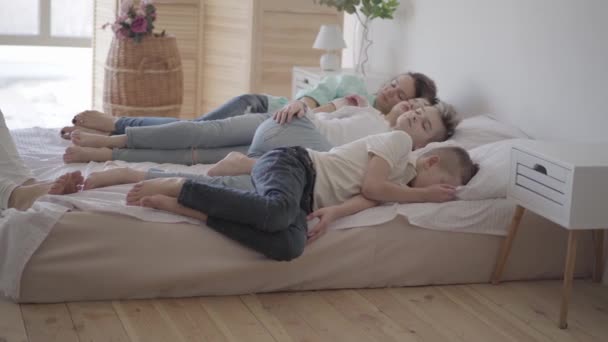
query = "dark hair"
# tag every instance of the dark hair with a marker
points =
(449, 118)
(455, 159)
(425, 86)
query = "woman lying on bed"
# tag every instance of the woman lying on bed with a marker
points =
(402, 87)
(179, 143)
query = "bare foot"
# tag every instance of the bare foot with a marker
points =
(66, 132)
(77, 154)
(159, 186)
(24, 196)
(67, 184)
(95, 120)
(234, 164)
(170, 204)
(121, 175)
(84, 139)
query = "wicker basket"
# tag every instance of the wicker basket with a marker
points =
(143, 79)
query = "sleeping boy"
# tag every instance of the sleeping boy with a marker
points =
(293, 184)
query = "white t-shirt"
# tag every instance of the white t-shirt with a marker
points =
(349, 123)
(340, 171)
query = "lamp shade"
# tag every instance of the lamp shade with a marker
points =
(329, 38)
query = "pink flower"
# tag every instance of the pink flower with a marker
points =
(139, 25)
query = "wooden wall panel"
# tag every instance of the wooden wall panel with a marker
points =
(105, 12)
(181, 19)
(285, 40)
(226, 52)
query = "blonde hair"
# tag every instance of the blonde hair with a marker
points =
(449, 118)
(456, 161)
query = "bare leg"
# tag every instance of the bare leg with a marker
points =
(85, 139)
(234, 164)
(159, 186)
(121, 175)
(66, 132)
(24, 196)
(95, 120)
(168, 203)
(77, 154)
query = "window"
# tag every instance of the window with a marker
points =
(46, 22)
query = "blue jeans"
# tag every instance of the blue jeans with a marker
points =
(299, 132)
(272, 218)
(247, 103)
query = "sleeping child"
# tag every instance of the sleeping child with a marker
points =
(293, 184)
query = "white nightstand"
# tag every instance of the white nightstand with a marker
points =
(566, 183)
(307, 77)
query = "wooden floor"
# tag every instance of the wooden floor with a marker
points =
(517, 311)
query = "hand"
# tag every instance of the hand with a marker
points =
(440, 193)
(357, 100)
(286, 114)
(326, 216)
(400, 108)
(350, 100)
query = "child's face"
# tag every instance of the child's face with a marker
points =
(429, 173)
(423, 125)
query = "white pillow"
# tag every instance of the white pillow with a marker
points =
(477, 131)
(483, 129)
(493, 176)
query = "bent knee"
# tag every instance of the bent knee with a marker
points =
(291, 249)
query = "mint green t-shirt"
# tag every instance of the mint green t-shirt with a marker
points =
(276, 102)
(337, 86)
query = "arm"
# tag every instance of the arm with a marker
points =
(377, 187)
(328, 215)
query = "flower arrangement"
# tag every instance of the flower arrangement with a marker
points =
(134, 21)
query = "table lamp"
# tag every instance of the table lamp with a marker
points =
(331, 40)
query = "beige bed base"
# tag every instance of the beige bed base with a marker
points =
(90, 256)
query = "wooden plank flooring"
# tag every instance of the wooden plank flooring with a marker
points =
(515, 311)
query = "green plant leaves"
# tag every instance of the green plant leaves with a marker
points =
(383, 9)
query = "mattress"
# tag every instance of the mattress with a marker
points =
(92, 255)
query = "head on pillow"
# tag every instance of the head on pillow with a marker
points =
(444, 165)
(428, 124)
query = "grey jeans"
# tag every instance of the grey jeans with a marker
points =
(267, 136)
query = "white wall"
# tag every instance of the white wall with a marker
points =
(539, 64)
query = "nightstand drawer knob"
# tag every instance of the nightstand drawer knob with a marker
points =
(540, 168)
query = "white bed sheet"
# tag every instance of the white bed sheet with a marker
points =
(42, 150)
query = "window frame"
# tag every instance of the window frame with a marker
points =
(44, 37)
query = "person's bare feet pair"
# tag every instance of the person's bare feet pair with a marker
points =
(78, 154)
(161, 194)
(25, 195)
(90, 121)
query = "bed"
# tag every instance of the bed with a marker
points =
(113, 254)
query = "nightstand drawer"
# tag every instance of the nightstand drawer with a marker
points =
(545, 169)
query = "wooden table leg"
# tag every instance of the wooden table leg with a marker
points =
(598, 242)
(568, 273)
(506, 245)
